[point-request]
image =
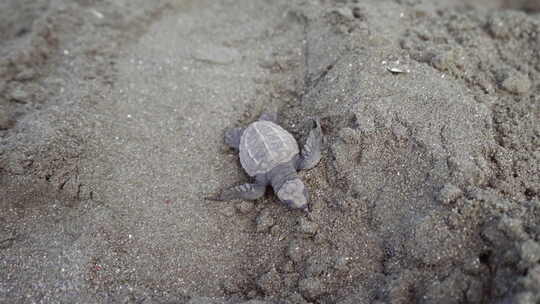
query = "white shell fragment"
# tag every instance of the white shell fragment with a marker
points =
(97, 14)
(396, 67)
(396, 70)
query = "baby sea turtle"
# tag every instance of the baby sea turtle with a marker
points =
(270, 154)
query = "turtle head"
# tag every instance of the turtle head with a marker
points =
(294, 194)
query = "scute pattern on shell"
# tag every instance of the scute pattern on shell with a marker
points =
(265, 145)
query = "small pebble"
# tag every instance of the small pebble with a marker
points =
(294, 251)
(473, 266)
(216, 54)
(296, 298)
(445, 60)
(399, 131)
(349, 135)
(475, 292)
(340, 263)
(357, 13)
(275, 230)
(344, 12)
(311, 288)
(228, 211)
(525, 297)
(316, 266)
(252, 294)
(26, 74)
(270, 282)
(264, 221)
(250, 301)
(498, 27)
(245, 207)
(306, 226)
(201, 300)
(5, 121)
(532, 279)
(287, 267)
(516, 83)
(19, 95)
(530, 251)
(230, 286)
(513, 228)
(449, 193)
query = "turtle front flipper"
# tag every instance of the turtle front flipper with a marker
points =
(232, 137)
(311, 152)
(245, 191)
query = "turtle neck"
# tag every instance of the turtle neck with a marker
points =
(281, 174)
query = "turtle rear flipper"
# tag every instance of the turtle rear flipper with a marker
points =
(311, 152)
(245, 191)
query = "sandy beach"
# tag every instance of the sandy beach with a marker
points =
(112, 117)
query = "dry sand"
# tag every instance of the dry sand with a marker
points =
(112, 116)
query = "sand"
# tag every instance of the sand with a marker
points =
(112, 116)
